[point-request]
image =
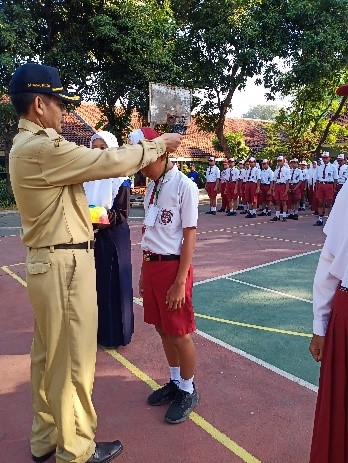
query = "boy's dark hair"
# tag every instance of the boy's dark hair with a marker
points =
(23, 101)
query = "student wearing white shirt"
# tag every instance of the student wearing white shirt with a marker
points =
(326, 179)
(329, 342)
(243, 168)
(265, 195)
(304, 185)
(212, 184)
(252, 188)
(342, 171)
(312, 198)
(232, 187)
(294, 193)
(280, 188)
(171, 205)
(223, 187)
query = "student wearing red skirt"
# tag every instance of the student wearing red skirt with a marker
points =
(330, 339)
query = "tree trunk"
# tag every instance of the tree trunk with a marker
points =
(327, 128)
(219, 130)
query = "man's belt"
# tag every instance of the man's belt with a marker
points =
(325, 183)
(86, 245)
(267, 184)
(150, 257)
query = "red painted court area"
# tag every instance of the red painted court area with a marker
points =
(247, 413)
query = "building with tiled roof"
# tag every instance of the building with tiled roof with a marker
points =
(197, 145)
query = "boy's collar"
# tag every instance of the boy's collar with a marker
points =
(170, 173)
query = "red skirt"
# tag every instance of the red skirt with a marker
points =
(330, 433)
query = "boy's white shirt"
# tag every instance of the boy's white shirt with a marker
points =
(177, 209)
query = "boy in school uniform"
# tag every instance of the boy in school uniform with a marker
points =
(280, 188)
(252, 188)
(232, 187)
(294, 192)
(265, 195)
(171, 206)
(223, 187)
(212, 184)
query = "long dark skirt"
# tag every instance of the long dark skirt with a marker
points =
(330, 434)
(114, 286)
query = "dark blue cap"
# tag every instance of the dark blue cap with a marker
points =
(37, 78)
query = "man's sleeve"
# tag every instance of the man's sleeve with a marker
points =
(65, 163)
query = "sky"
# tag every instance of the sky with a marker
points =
(251, 96)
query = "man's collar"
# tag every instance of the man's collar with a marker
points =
(170, 173)
(25, 124)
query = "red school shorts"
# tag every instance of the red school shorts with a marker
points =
(263, 195)
(325, 191)
(250, 190)
(158, 276)
(279, 191)
(294, 195)
(231, 186)
(210, 187)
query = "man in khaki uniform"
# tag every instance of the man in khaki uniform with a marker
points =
(46, 175)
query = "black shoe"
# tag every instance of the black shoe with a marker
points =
(250, 216)
(44, 457)
(275, 219)
(181, 407)
(229, 214)
(105, 452)
(240, 208)
(295, 217)
(243, 212)
(262, 214)
(209, 212)
(164, 395)
(284, 219)
(269, 213)
(222, 209)
(290, 216)
(318, 223)
(213, 212)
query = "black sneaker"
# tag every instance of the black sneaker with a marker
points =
(262, 214)
(243, 212)
(164, 395)
(181, 407)
(209, 212)
(318, 223)
(295, 217)
(275, 219)
(222, 209)
(290, 216)
(213, 212)
(269, 213)
(284, 219)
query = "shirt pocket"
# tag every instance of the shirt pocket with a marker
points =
(168, 219)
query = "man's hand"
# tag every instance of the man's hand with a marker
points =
(172, 141)
(316, 347)
(176, 296)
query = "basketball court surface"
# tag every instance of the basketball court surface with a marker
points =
(255, 376)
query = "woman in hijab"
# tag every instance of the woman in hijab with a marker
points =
(112, 254)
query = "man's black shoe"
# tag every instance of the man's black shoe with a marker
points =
(250, 216)
(44, 457)
(164, 395)
(222, 209)
(243, 212)
(269, 213)
(290, 216)
(318, 223)
(275, 219)
(181, 407)
(209, 212)
(262, 214)
(284, 219)
(105, 452)
(295, 217)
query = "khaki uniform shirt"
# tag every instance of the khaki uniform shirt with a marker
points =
(47, 173)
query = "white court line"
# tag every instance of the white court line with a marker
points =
(260, 362)
(270, 290)
(268, 366)
(255, 267)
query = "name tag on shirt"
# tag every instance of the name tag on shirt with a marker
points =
(151, 215)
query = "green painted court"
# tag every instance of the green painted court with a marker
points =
(264, 311)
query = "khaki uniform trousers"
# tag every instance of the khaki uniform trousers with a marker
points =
(62, 290)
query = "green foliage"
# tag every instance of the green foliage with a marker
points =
(262, 111)
(6, 199)
(236, 144)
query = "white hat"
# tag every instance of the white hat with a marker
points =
(280, 158)
(303, 163)
(252, 159)
(231, 160)
(264, 161)
(325, 154)
(241, 162)
(340, 156)
(211, 158)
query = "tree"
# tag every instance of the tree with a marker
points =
(236, 144)
(262, 111)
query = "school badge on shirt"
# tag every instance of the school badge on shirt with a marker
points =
(166, 216)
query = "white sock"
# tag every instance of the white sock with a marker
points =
(254, 211)
(284, 215)
(278, 214)
(264, 210)
(175, 374)
(187, 385)
(213, 208)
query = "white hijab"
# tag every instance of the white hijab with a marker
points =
(336, 235)
(103, 192)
